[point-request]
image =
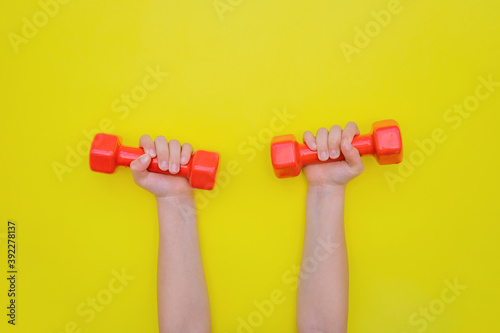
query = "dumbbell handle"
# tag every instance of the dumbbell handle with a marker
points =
(363, 143)
(126, 155)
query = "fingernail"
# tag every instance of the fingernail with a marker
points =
(145, 158)
(313, 146)
(184, 160)
(333, 153)
(164, 165)
(174, 168)
(152, 153)
(323, 156)
(347, 145)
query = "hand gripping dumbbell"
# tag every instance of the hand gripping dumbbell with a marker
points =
(107, 152)
(384, 142)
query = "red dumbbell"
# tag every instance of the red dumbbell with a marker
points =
(107, 152)
(384, 142)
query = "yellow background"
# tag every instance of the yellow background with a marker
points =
(226, 76)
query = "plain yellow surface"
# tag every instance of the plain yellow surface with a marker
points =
(412, 230)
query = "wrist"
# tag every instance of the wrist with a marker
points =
(325, 206)
(180, 205)
(176, 200)
(326, 189)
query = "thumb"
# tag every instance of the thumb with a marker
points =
(139, 166)
(352, 157)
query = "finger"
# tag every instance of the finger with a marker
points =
(322, 142)
(174, 148)
(352, 157)
(148, 145)
(350, 130)
(186, 152)
(139, 166)
(161, 146)
(351, 154)
(334, 141)
(310, 140)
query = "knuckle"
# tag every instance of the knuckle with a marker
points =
(161, 147)
(336, 128)
(322, 130)
(347, 134)
(134, 167)
(163, 155)
(144, 138)
(354, 127)
(334, 138)
(308, 136)
(174, 143)
(161, 138)
(174, 156)
(322, 138)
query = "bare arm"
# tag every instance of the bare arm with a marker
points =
(183, 304)
(322, 296)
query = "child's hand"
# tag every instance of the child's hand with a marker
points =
(330, 145)
(170, 156)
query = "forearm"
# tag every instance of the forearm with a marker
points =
(183, 304)
(322, 296)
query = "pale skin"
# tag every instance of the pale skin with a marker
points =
(322, 295)
(183, 304)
